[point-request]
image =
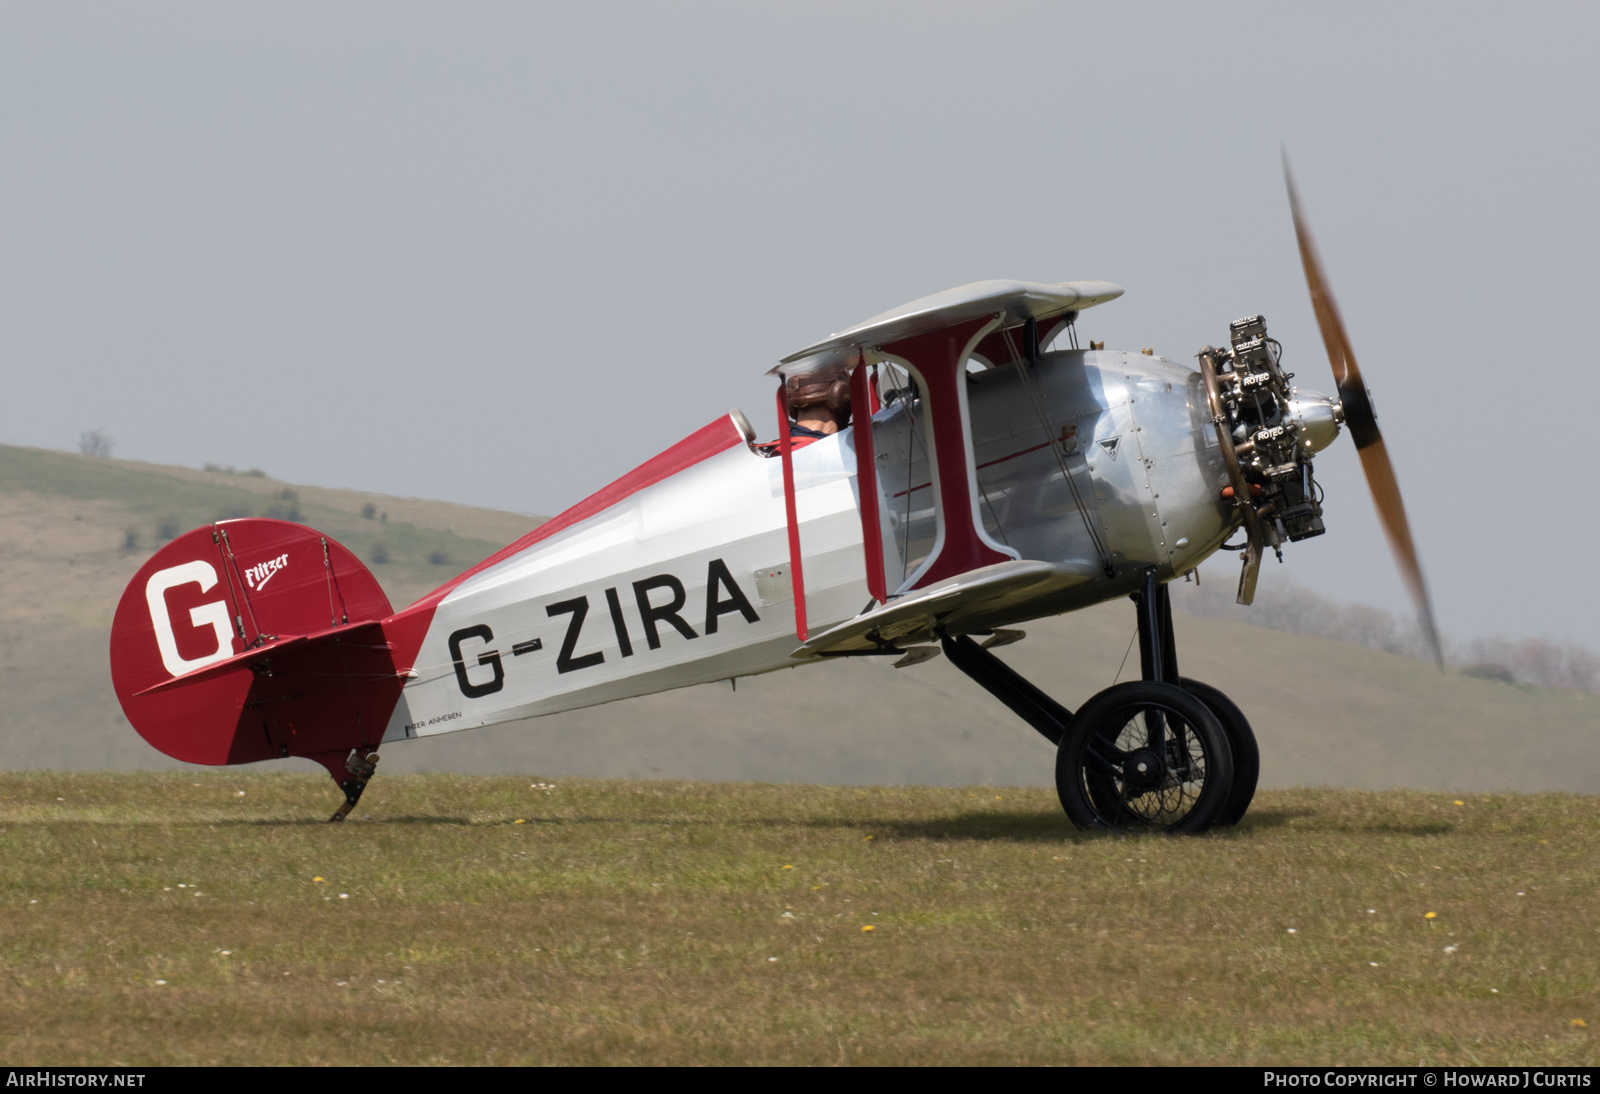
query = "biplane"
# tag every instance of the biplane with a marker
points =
(991, 471)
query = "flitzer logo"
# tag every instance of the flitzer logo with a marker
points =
(258, 575)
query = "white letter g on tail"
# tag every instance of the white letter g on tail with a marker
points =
(216, 614)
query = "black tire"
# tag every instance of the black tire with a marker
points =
(1109, 775)
(1241, 739)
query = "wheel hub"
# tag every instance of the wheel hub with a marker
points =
(1142, 769)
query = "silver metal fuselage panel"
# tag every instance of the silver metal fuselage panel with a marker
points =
(1132, 432)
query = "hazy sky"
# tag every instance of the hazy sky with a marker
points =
(501, 253)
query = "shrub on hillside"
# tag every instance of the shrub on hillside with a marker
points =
(288, 507)
(95, 442)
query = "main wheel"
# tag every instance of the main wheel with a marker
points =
(1143, 756)
(1242, 742)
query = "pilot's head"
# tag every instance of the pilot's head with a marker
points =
(818, 404)
(824, 400)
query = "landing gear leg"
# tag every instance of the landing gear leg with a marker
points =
(351, 773)
(1158, 662)
(1030, 704)
(1158, 650)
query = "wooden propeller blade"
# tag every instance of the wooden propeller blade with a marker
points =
(1363, 424)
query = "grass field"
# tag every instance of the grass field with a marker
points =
(178, 918)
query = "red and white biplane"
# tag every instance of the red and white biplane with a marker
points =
(983, 480)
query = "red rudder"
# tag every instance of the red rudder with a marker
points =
(252, 639)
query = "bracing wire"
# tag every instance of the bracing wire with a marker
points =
(1037, 403)
(1125, 654)
(909, 406)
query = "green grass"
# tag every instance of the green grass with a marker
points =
(487, 920)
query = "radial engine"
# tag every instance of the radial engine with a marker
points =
(1269, 431)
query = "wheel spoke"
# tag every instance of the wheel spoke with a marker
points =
(1171, 800)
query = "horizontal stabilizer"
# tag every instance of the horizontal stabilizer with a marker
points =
(366, 636)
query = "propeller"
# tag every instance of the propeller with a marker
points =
(1363, 424)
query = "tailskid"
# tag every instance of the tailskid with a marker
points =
(359, 767)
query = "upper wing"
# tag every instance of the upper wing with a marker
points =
(1017, 301)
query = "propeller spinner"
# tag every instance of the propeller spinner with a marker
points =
(1363, 424)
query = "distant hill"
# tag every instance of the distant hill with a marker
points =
(74, 529)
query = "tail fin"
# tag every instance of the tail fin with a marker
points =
(253, 639)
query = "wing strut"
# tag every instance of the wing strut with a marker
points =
(866, 480)
(786, 453)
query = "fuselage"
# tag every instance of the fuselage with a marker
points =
(687, 580)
